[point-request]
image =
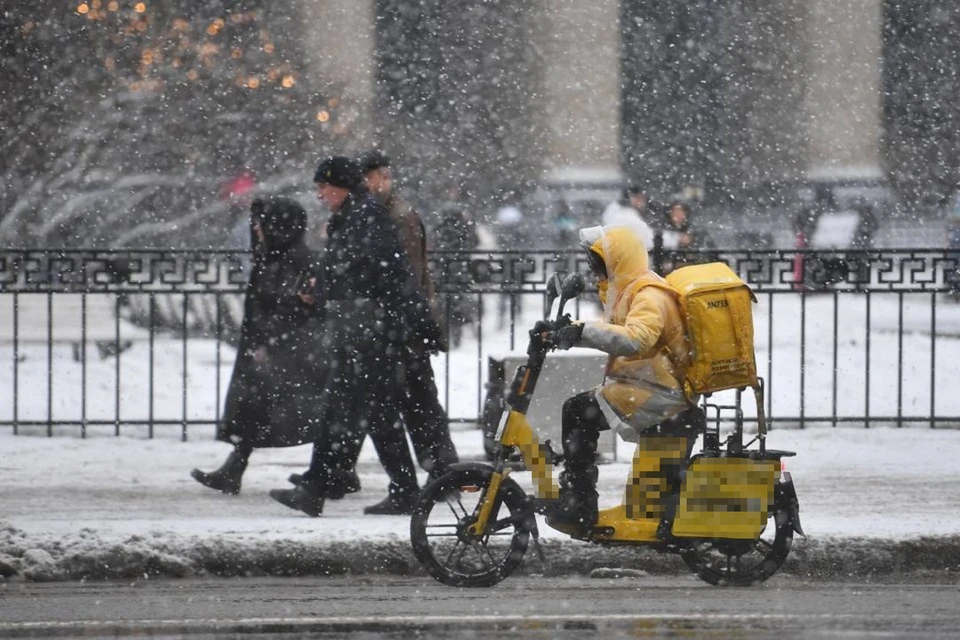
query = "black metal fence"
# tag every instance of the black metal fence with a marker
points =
(144, 338)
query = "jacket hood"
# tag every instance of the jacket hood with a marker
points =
(625, 256)
(283, 220)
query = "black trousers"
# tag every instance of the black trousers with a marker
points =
(424, 416)
(582, 422)
(419, 406)
(362, 396)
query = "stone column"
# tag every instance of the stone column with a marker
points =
(843, 99)
(339, 43)
(581, 89)
(763, 125)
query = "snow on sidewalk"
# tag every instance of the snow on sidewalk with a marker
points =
(123, 507)
(880, 482)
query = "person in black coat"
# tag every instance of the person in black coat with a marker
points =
(272, 397)
(420, 408)
(372, 306)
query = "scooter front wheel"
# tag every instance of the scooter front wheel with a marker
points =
(440, 529)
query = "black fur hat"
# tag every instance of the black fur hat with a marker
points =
(338, 171)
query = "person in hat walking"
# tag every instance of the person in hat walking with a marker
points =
(425, 418)
(372, 306)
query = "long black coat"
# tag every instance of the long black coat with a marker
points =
(373, 309)
(274, 403)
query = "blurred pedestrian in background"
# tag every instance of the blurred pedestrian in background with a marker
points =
(682, 238)
(372, 307)
(237, 194)
(272, 399)
(455, 236)
(564, 224)
(867, 225)
(811, 271)
(632, 208)
(512, 234)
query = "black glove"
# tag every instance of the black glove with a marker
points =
(568, 336)
(436, 343)
(543, 326)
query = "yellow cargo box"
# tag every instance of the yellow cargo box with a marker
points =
(725, 498)
(717, 310)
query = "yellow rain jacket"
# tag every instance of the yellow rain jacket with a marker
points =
(642, 331)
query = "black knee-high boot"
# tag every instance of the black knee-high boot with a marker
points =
(227, 478)
(578, 481)
(582, 422)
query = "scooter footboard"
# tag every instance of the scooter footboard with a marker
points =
(726, 498)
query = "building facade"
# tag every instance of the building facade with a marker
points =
(504, 95)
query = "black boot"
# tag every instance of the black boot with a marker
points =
(227, 478)
(305, 497)
(394, 453)
(340, 482)
(582, 421)
(578, 498)
(397, 503)
(340, 462)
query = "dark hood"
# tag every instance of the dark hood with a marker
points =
(283, 220)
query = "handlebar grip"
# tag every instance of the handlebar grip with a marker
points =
(563, 321)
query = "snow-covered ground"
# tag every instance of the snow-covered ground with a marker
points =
(882, 483)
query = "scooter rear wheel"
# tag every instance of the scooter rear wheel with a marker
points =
(441, 539)
(741, 563)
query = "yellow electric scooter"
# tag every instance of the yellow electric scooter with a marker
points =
(729, 511)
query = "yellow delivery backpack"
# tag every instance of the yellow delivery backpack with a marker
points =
(716, 306)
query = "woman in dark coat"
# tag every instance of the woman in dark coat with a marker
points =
(273, 394)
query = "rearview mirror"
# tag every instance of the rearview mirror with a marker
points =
(573, 285)
(554, 288)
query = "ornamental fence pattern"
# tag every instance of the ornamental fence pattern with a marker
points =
(159, 271)
(144, 338)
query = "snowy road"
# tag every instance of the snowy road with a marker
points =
(398, 607)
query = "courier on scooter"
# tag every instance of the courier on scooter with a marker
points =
(730, 511)
(643, 331)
